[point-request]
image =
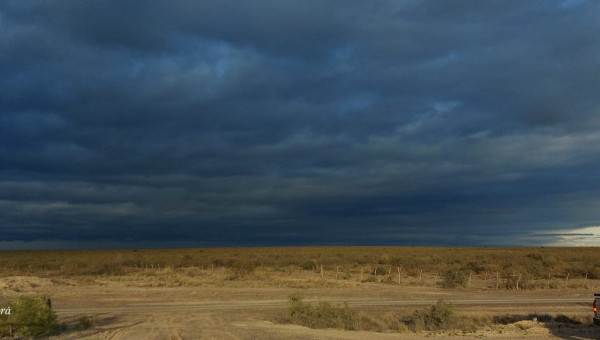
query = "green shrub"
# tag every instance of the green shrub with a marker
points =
(454, 278)
(535, 256)
(384, 259)
(371, 323)
(84, 322)
(347, 273)
(29, 317)
(380, 270)
(323, 315)
(438, 317)
(241, 269)
(549, 262)
(475, 267)
(370, 279)
(308, 265)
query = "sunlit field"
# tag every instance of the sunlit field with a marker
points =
(271, 292)
(494, 268)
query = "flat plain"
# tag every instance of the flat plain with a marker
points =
(244, 293)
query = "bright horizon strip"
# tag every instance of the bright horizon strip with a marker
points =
(582, 237)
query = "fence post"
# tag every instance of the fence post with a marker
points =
(398, 275)
(321, 271)
(361, 273)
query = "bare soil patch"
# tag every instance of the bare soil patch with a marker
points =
(122, 311)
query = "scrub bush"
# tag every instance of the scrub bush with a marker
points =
(29, 317)
(454, 278)
(438, 317)
(323, 315)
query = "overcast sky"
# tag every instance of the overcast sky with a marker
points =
(214, 123)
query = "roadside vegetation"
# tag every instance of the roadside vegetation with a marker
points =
(324, 314)
(437, 318)
(28, 316)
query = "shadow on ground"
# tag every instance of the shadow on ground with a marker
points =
(560, 326)
(100, 324)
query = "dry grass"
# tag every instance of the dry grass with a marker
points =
(300, 267)
(323, 315)
(438, 318)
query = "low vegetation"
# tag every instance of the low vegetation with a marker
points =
(84, 322)
(29, 316)
(454, 278)
(323, 315)
(439, 317)
(448, 267)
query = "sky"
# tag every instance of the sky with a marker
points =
(129, 124)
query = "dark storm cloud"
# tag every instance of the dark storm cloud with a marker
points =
(218, 122)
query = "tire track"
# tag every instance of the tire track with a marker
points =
(250, 304)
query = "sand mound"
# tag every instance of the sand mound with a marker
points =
(520, 328)
(23, 283)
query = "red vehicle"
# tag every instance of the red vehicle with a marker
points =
(596, 306)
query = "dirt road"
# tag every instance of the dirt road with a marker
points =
(243, 311)
(279, 304)
(221, 313)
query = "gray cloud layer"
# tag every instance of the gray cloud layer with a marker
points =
(295, 122)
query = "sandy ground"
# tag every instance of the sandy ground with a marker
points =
(122, 312)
